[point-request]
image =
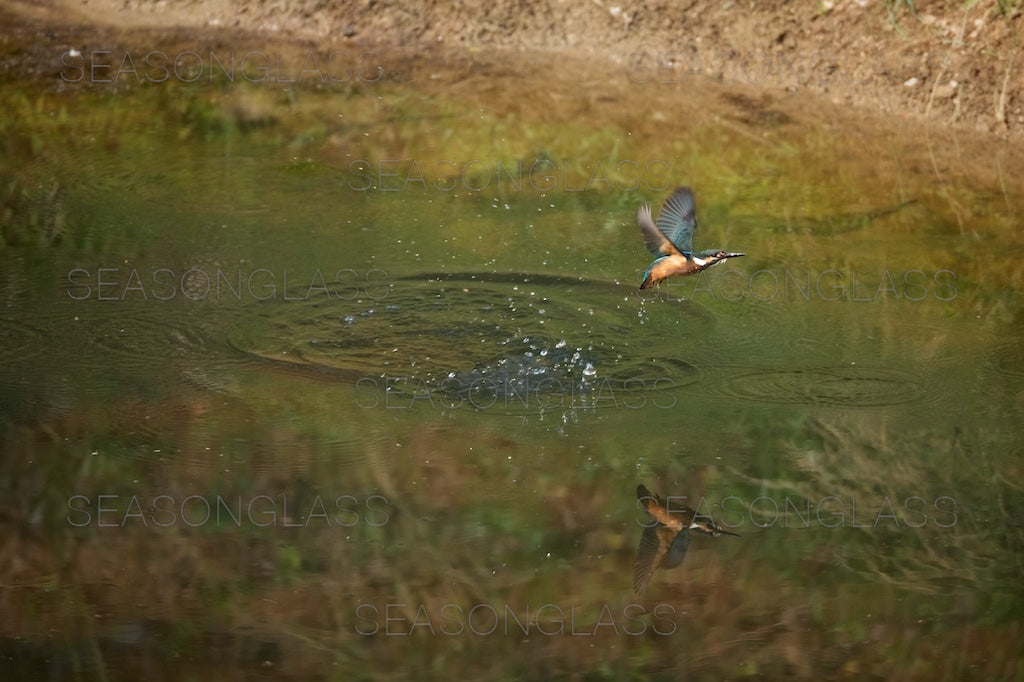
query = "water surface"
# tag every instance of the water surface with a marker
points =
(356, 380)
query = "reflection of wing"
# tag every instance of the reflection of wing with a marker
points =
(659, 546)
(678, 219)
(646, 497)
(677, 551)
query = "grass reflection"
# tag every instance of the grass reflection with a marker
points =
(468, 519)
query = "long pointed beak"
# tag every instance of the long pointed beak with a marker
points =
(709, 528)
(733, 255)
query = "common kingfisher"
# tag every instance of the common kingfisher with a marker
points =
(664, 542)
(671, 239)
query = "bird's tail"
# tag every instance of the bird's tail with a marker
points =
(647, 282)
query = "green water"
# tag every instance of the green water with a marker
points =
(364, 387)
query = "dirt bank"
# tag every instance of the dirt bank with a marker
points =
(944, 62)
(954, 66)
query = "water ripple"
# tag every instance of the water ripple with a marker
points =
(839, 386)
(137, 342)
(19, 341)
(491, 340)
(1007, 359)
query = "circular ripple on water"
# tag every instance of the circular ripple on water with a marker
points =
(824, 386)
(480, 339)
(430, 327)
(141, 344)
(142, 341)
(19, 341)
(1007, 359)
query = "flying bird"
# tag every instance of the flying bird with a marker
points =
(670, 240)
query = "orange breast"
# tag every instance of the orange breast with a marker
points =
(671, 266)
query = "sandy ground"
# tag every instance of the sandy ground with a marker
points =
(951, 63)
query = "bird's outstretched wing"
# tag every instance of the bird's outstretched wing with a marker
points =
(659, 547)
(657, 243)
(678, 219)
(673, 231)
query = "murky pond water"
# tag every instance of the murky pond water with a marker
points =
(358, 382)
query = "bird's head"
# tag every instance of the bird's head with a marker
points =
(712, 256)
(706, 525)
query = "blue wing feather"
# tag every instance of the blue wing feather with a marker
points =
(678, 219)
